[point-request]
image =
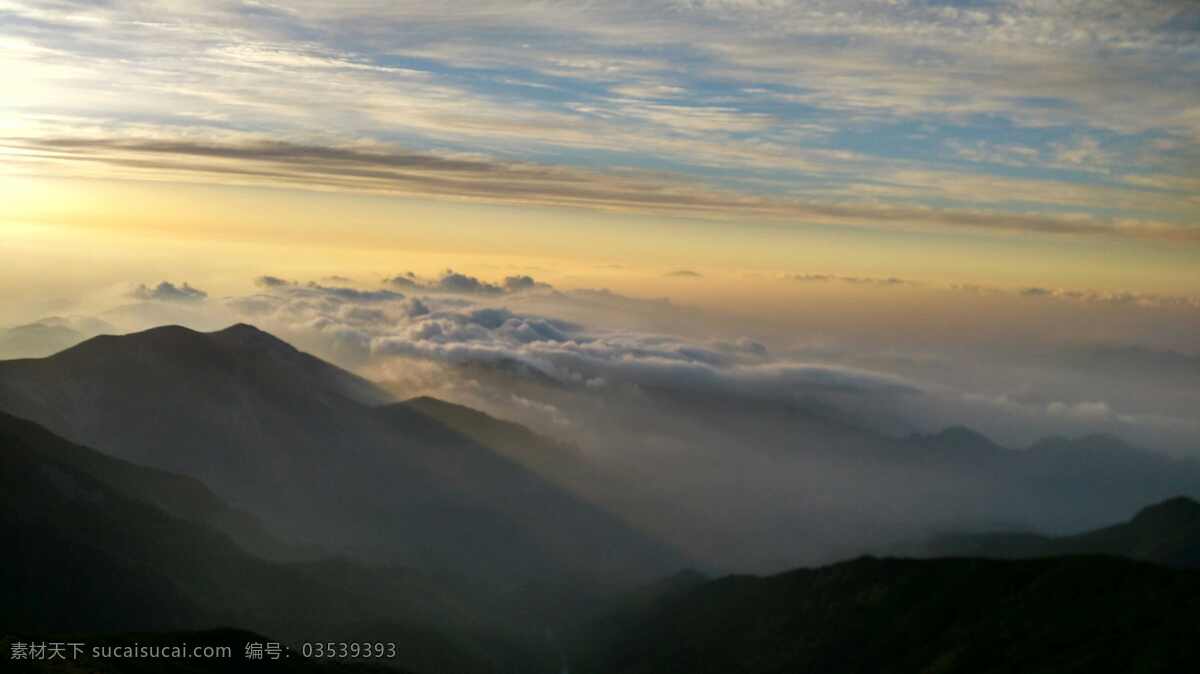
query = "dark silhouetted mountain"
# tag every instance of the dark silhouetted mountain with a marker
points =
(1167, 533)
(86, 551)
(178, 496)
(306, 448)
(1073, 615)
(565, 529)
(607, 624)
(482, 427)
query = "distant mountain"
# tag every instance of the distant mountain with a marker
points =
(1167, 533)
(1107, 476)
(807, 480)
(1058, 484)
(36, 340)
(308, 448)
(87, 550)
(48, 335)
(958, 439)
(905, 485)
(1053, 484)
(1123, 360)
(1075, 615)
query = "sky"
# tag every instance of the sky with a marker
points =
(945, 126)
(940, 191)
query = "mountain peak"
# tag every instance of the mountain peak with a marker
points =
(237, 356)
(240, 329)
(162, 331)
(958, 438)
(244, 334)
(163, 334)
(177, 338)
(1177, 510)
(965, 435)
(427, 400)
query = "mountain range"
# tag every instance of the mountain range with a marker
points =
(1065, 615)
(325, 459)
(169, 481)
(1165, 533)
(94, 551)
(764, 483)
(93, 548)
(320, 457)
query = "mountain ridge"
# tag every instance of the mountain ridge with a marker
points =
(311, 451)
(1167, 533)
(1071, 615)
(177, 495)
(88, 555)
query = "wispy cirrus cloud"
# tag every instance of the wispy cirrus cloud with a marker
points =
(1077, 117)
(1129, 298)
(386, 169)
(1116, 297)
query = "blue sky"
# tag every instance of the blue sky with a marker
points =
(1047, 117)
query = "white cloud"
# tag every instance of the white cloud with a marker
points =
(576, 339)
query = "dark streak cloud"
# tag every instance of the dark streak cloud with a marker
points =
(405, 280)
(354, 294)
(396, 171)
(272, 151)
(523, 282)
(1121, 297)
(272, 282)
(856, 280)
(168, 292)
